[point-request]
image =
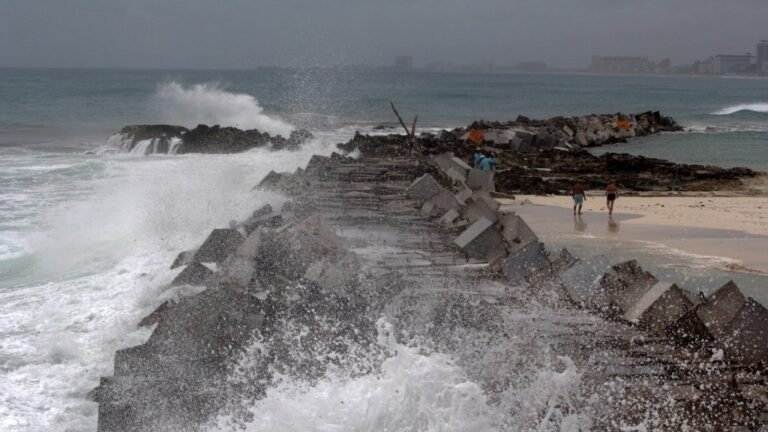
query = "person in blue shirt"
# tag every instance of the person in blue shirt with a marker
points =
(488, 163)
(479, 156)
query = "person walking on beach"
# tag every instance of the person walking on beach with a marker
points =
(578, 197)
(611, 193)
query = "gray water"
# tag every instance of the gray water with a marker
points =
(86, 237)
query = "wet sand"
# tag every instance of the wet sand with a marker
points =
(684, 243)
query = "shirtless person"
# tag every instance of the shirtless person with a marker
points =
(611, 193)
(578, 197)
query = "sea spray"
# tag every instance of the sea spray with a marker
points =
(412, 391)
(99, 235)
(209, 103)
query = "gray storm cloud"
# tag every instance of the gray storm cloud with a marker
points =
(245, 34)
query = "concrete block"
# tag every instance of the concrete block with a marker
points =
(531, 258)
(481, 180)
(449, 217)
(481, 240)
(615, 281)
(659, 307)
(689, 330)
(624, 286)
(219, 245)
(236, 272)
(515, 231)
(745, 339)
(194, 274)
(270, 220)
(184, 258)
(428, 208)
(463, 193)
(423, 188)
(477, 209)
(581, 281)
(487, 198)
(719, 308)
(445, 200)
(452, 166)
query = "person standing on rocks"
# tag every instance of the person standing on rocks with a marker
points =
(611, 194)
(579, 196)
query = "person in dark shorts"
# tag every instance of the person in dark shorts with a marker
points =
(611, 193)
(578, 197)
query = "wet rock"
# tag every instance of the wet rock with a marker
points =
(194, 274)
(423, 188)
(745, 339)
(527, 260)
(659, 307)
(287, 183)
(481, 240)
(183, 258)
(221, 243)
(719, 308)
(582, 280)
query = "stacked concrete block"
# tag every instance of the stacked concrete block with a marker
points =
(481, 180)
(423, 188)
(719, 308)
(515, 231)
(194, 274)
(619, 278)
(659, 307)
(449, 217)
(184, 258)
(582, 280)
(219, 245)
(481, 240)
(531, 258)
(477, 208)
(745, 338)
(453, 167)
(463, 193)
(634, 283)
(445, 200)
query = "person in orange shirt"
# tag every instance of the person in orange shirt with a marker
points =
(611, 194)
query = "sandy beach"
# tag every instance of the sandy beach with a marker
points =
(702, 240)
(748, 214)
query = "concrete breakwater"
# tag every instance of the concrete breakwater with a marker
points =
(299, 291)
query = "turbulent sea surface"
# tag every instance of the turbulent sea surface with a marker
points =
(87, 233)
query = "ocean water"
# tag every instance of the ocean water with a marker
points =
(86, 236)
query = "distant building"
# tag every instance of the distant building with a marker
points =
(404, 63)
(531, 66)
(620, 64)
(762, 56)
(731, 63)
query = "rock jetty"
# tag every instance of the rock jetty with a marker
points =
(399, 245)
(152, 139)
(548, 156)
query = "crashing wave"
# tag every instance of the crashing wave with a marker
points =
(753, 107)
(208, 103)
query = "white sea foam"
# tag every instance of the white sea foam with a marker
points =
(413, 392)
(94, 262)
(759, 107)
(210, 104)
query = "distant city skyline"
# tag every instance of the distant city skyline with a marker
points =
(242, 34)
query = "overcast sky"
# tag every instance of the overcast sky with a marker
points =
(251, 33)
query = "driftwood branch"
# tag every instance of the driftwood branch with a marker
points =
(413, 128)
(400, 119)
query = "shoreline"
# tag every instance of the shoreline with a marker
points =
(730, 233)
